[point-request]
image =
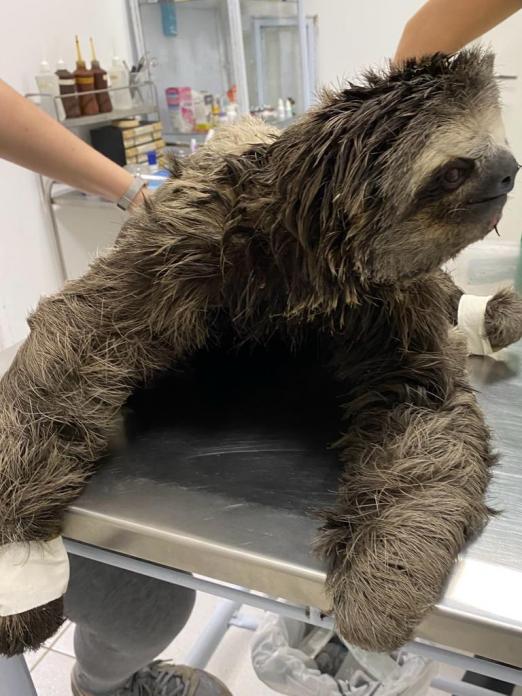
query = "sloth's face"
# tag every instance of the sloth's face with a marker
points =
(450, 194)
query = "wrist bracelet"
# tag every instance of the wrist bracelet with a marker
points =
(130, 194)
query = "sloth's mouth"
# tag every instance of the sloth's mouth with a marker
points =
(500, 198)
(492, 209)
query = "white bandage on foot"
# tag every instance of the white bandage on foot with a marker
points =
(32, 573)
(471, 320)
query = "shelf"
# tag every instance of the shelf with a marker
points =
(200, 4)
(171, 138)
(110, 116)
(175, 138)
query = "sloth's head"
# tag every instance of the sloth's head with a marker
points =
(393, 177)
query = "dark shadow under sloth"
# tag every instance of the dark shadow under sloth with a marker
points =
(335, 229)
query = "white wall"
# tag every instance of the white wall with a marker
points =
(30, 31)
(505, 40)
(197, 56)
(353, 34)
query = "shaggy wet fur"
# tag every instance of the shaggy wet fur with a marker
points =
(314, 232)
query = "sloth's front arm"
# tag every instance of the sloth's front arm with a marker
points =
(136, 311)
(502, 316)
(417, 463)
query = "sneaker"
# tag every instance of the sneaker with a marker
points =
(162, 678)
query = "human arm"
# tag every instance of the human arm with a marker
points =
(448, 25)
(31, 138)
(140, 309)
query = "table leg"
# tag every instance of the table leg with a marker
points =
(212, 634)
(496, 685)
(15, 677)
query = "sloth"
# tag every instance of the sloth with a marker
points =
(333, 231)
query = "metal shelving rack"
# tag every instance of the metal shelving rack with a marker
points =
(236, 23)
(145, 107)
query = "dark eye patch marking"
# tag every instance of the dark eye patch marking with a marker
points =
(447, 178)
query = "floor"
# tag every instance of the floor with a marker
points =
(51, 665)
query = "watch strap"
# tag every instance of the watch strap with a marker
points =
(130, 194)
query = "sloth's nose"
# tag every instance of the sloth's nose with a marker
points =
(503, 171)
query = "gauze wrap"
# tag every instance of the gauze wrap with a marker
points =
(471, 320)
(32, 573)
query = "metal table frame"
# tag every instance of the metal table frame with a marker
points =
(16, 678)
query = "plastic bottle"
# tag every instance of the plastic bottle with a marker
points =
(100, 82)
(169, 20)
(152, 159)
(200, 113)
(47, 83)
(281, 112)
(288, 109)
(222, 116)
(232, 112)
(67, 86)
(84, 80)
(214, 117)
(119, 77)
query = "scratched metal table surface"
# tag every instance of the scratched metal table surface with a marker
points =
(219, 471)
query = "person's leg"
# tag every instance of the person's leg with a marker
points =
(123, 621)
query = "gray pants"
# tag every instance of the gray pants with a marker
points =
(123, 621)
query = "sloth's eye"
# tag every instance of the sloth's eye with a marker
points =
(455, 173)
(453, 176)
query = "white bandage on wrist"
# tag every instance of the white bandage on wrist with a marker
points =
(32, 573)
(471, 320)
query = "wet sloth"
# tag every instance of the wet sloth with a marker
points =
(336, 229)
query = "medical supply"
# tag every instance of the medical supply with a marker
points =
(128, 141)
(152, 161)
(49, 88)
(281, 112)
(119, 79)
(100, 82)
(32, 573)
(471, 320)
(169, 21)
(181, 109)
(67, 86)
(84, 80)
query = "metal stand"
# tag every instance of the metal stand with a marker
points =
(15, 679)
(206, 645)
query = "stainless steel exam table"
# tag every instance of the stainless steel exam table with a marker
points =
(213, 482)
